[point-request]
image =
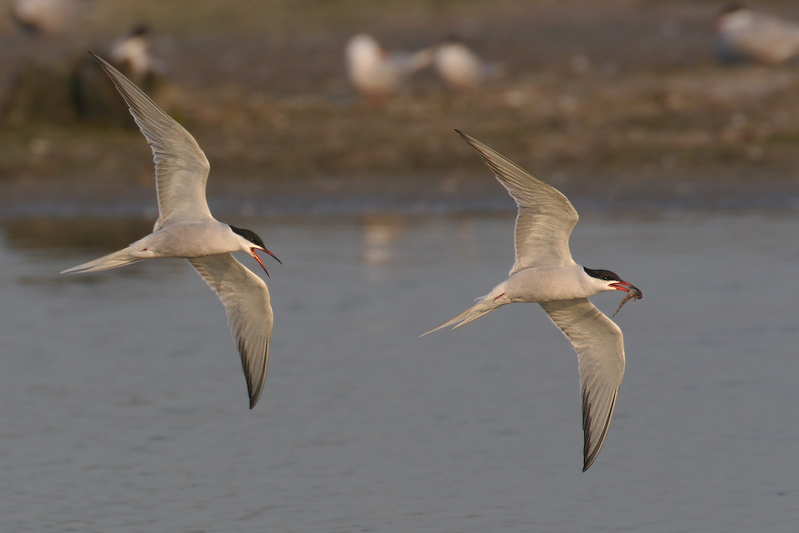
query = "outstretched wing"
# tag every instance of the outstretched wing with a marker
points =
(249, 313)
(181, 168)
(546, 218)
(599, 344)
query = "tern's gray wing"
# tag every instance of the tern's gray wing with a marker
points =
(600, 354)
(181, 168)
(410, 63)
(546, 218)
(249, 313)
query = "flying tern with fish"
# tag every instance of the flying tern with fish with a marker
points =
(544, 272)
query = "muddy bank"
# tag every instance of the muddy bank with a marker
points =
(615, 104)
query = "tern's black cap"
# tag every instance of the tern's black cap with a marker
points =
(606, 275)
(249, 235)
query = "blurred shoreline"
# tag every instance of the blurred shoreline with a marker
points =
(410, 195)
(617, 104)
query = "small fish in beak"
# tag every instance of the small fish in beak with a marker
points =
(632, 294)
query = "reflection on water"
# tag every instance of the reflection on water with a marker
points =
(124, 407)
(379, 237)
(75, 233)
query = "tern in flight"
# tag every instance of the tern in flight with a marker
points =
(544, 272)
(186, 228)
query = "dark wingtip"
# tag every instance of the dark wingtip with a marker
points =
(474, 143)
(254, 389)
(100, 61)
(589, 460)
(254, 396)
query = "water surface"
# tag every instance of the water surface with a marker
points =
(124, 406)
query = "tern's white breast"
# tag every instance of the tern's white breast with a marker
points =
(458, 66)
(549, 283)
(371, 69)
(133, 51)
(190, 239)
(758, 37)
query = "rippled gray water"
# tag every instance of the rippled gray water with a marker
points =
(124, 407)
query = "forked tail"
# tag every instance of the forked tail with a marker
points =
(483, 307)
(114, 260)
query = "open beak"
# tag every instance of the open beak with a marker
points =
(252, 251)
(624, 286)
